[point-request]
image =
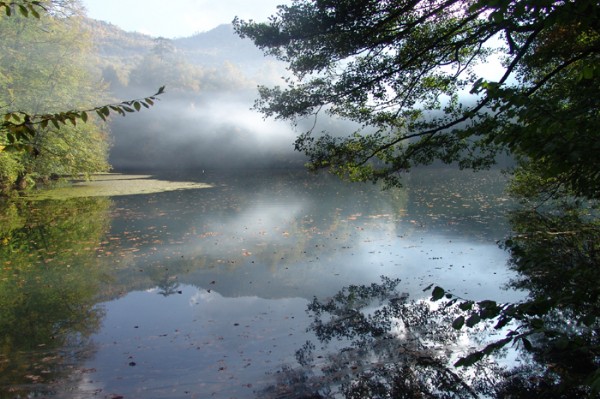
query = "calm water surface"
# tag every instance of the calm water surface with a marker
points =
(202, 293)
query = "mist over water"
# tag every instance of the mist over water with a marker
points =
(204, 119)
(207, 132)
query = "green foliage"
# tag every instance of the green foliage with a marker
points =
(402, 70)
(10, 169)
(23, 7)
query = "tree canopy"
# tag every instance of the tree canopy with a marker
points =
(409, 73)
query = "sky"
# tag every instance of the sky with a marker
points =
(177, 18)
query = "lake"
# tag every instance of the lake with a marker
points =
(202, 291)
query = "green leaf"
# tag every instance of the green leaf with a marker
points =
(469, 360)
(458, 322)
(84, 116)
(561, 343)
(494, 346)
(595, 382)
(487, 304)
(527, 344)
(437, 294)
(474, 319)
(537, 323)
(137, 106)
(504, 320)
(588, 320)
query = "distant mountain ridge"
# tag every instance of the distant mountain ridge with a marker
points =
(206, 48)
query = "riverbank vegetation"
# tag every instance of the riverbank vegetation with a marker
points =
(52, 123)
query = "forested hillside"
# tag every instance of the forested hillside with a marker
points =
(205, 116)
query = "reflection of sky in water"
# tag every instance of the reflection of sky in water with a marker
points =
(244, 259)
(298, 240)
(193, 343)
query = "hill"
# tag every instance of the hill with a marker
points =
(204, 120)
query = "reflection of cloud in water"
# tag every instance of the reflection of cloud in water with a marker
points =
(277, 236)
(252, 228)
(462, 265)
(202, 296)
(256, 221)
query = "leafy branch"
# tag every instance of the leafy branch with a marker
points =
(25, 8)
(21, 127)
(529, 314)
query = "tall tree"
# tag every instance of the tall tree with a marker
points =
(406, 71)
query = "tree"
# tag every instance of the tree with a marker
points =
(46, 93)
(405, 71)
(163, 63)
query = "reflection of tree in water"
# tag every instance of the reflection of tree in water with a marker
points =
(168, 287)
(387, 347)
(557, 255)
(48, 290)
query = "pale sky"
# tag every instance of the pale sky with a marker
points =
(177, 18)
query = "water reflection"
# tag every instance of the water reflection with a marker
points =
(49, 283)
(545, 345)
(196, 343)
(294, 235)
(203, 291)
(386, 347)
